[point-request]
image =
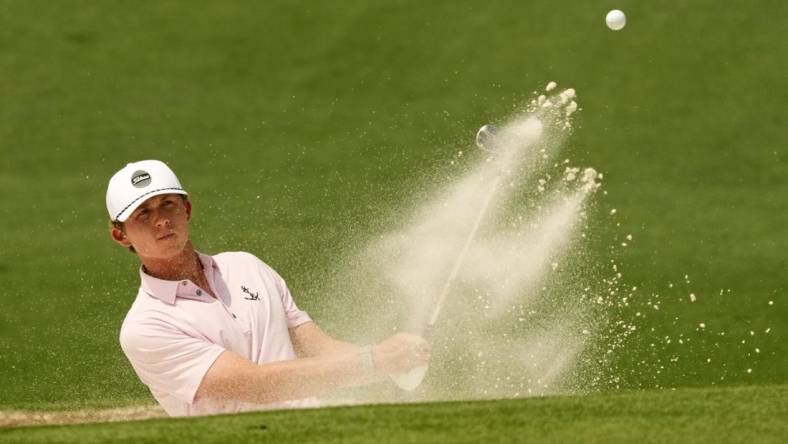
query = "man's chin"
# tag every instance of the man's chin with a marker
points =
(166, 249)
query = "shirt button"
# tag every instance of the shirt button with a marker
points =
(199, 292)
(234, 316)
(184, 283)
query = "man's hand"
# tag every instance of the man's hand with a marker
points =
(400, 353)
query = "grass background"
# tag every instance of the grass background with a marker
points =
(296, 126)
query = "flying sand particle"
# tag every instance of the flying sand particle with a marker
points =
(571, 108)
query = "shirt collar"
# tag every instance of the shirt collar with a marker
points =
(167, 291)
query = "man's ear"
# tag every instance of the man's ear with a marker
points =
(188, 204)
(119, 237)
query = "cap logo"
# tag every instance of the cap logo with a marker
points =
(140, 179)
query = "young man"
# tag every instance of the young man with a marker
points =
(219, 334)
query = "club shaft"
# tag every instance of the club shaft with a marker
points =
(464, 252)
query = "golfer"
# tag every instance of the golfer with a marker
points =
(221, 333)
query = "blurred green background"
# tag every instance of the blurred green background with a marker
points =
(296, 126)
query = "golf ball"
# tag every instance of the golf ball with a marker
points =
(615, 19)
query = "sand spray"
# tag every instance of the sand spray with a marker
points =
(491, 249)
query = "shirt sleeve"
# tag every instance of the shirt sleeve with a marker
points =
(295, 316)
(167, 359)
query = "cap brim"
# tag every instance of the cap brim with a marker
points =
(123, 215)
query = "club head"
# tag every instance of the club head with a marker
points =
(487, 139)
(412, 379)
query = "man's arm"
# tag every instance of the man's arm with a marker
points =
(309, 340)
(232, 377)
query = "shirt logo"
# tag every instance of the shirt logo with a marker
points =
(140, 179)
(252, 296)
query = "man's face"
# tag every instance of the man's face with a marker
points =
(159, 228)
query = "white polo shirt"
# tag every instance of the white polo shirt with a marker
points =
(174, 331)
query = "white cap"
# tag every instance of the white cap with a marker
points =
(137, 182)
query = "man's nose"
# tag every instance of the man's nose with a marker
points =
(162, 220)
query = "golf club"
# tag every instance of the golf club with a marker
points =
(485, 140)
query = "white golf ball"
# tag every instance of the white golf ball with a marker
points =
(616, 19)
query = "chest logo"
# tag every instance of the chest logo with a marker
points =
(250, 296)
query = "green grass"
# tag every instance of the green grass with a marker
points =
(743, 414)
(299, 126)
